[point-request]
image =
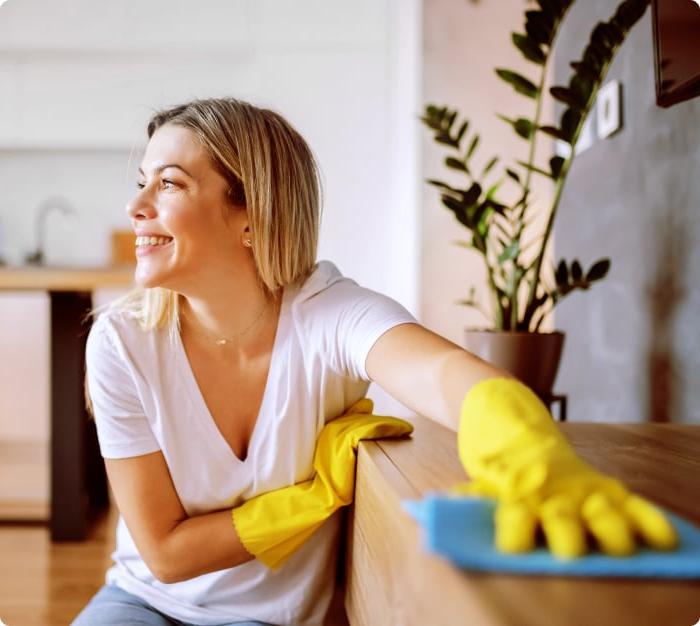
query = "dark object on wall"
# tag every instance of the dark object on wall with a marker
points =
(676, 26)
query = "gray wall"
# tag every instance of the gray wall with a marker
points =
(633, 342)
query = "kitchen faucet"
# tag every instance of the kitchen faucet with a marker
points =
(53, 203)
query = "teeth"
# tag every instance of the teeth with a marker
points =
(152, 241)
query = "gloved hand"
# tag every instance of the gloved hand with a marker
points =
(514, 452)
(273, 525)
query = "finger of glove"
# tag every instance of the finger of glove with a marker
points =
(563, 527)
(608, 525)
(474, 488)
(651, 523)
(515, 526)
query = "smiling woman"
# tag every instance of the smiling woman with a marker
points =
(211, 383)
(228, 389)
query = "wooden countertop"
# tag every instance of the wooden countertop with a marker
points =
(390, 579)
(51, 278)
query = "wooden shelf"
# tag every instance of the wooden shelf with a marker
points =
(20, 278)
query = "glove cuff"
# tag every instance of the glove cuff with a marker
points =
(504, 425)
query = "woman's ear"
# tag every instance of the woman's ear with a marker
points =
(247, 241)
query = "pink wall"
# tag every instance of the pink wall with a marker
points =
(463, 43)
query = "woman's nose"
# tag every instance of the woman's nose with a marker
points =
(140, 207)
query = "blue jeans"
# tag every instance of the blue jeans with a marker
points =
(112, 606)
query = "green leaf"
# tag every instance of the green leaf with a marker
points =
(595, 57)
(598, 270)
(496, 206)
(441, 185)
(472, 147)
(628, 13)
(570, 121)
(520, 83)
(510, 252)
(489, 166)
(576, 271)
(585, 70)
(513, 174)
(534, 168)
(446, 139)
(547, 19)
(456, 207)
(472, 195)
(602, 36)
(479, 243)
(461, 131)
(522, 126)
(455, 164)
(538, 33)
(582, 88)
(550, 7)
(561, 275)
(555, 132)
(529, 48)
(482, 224)
(463, 244)
(567, 96)
(492, 190)
(555, 165)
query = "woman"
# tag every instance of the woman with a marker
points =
(211, 383)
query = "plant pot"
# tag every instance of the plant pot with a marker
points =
(533, 358)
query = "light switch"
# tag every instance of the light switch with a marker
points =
(608, 110)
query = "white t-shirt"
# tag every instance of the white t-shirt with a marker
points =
(146, 398)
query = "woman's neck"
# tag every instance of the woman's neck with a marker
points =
(242, 326)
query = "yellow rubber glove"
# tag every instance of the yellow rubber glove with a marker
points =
(513, 451)
(273, 525)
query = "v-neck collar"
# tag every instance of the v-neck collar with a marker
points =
(204, 416)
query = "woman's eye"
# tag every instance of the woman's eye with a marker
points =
(165, 183)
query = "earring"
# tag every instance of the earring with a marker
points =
(248, 243)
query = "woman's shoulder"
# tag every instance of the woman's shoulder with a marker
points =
(115, 329)
(324, 276)
(115, 320)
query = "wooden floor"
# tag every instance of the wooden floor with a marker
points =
(47, 584)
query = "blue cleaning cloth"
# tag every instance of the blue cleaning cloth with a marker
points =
(461, 529)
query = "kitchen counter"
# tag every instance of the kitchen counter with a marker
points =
(78, 482)
(391, 579)
(56, 278)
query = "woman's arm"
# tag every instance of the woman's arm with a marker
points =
(174, 547)
(426, 372)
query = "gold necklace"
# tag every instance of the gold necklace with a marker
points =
(222, 341)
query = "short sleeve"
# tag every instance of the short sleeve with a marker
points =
(123, 429)
(345, 320)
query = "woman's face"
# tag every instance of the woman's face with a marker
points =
(182, 199)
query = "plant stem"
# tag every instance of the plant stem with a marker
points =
(526, 192)
(533, 141)
(498, 306)
(560, 186)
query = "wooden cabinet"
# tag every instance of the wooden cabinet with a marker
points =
(390, 579)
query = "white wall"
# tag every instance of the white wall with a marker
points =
(80, 78)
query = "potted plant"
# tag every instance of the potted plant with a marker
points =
(522, 291)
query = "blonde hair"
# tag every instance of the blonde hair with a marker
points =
(271, 172)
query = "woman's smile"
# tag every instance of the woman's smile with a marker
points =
(148, 245)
